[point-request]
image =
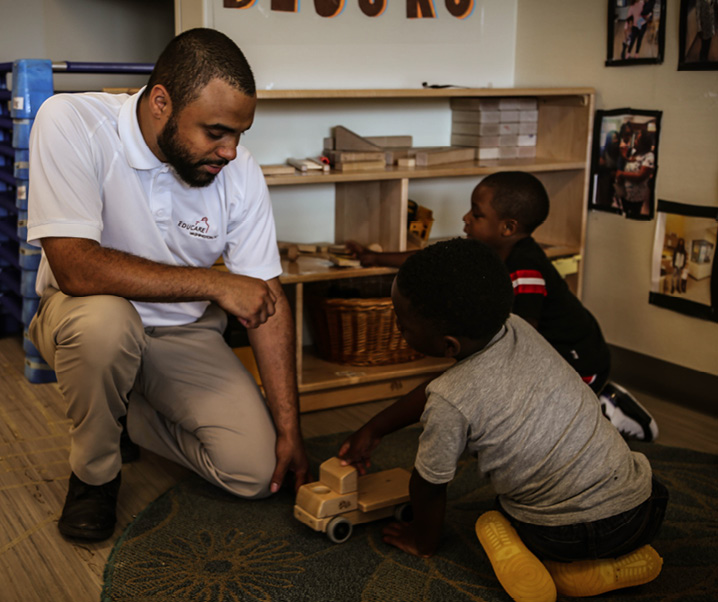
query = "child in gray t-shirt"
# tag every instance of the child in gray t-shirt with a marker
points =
(574, 502)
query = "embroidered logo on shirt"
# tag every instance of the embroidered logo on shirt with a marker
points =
(528, 281)
(200, 228)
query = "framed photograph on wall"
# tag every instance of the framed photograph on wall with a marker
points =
(684, 275)
(636, 32)
(698, 37)
(624, 162)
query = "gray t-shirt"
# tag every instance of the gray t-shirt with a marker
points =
(537, 431)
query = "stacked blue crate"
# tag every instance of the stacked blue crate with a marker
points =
(32, 84)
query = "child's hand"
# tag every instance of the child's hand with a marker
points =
(357, 449)
(361, 253)
(405, 537)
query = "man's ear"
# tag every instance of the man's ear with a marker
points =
(160, 103)
(452, 346)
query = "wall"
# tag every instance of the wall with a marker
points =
(132, 31)
(304, 51)
(563, 43)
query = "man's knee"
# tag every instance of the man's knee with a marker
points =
(103, 329)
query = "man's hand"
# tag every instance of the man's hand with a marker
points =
(251, 300)
(406, 537)
(290, 457)
(357, 449)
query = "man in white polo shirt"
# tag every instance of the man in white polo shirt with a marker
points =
(133, 198)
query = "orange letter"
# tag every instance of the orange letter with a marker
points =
(420, 9)
(373, 8)
(460, 8)
(329, 8)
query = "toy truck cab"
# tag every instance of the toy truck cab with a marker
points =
(341, 499)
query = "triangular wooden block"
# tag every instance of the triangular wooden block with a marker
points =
(346, 140)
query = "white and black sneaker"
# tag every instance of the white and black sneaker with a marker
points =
(625, 413)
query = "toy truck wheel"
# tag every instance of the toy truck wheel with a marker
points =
(339, 530)
(403, 513)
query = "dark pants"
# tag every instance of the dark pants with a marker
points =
(606, 538)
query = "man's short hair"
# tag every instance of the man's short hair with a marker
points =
(460, 285)
(196, 57)
(518, 195)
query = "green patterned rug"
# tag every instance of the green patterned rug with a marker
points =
(196, 543)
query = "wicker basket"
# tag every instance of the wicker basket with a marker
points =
(359, 331)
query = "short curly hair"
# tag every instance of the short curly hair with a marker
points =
(518, 195)
(194, 58)
(460, 285)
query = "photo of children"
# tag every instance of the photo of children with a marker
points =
(683, 259)
(625, 162)
(698, 35)
(636, 32)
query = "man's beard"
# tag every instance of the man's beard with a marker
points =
(181, 159)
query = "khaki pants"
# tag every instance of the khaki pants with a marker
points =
(186, 395)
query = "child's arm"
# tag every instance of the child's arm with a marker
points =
(405, 411)
(372, 258)
(421, 536)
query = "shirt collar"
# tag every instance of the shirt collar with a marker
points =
(138, 153)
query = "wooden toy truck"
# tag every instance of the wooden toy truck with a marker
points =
(341, 499)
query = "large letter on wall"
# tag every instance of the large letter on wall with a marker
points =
(239, 3)
(460, 8)
(329, 8)
(287, 6)
(373, 8)
(420, 9)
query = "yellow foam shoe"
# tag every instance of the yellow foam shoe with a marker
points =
(520, 573)
(593, 577)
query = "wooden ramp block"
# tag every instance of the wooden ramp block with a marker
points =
(342, 479)
(346, 140)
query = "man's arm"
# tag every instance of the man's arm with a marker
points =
(82, 267)
(273, 344)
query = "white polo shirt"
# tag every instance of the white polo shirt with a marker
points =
(93, 176)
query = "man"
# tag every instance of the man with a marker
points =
(133, 198)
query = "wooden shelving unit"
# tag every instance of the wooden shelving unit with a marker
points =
(372, 206)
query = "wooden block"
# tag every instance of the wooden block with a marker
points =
(476, 116)
(360, 165)
(343, 261)
(443, 155)
(508, 140)
(527, 140)
(528, 116)
(393, 154)
(488, 153)
(527, 104)
(329, 143)
(277, 170)
(509, 104)
(474, 104)
(320, 500)
(528, 127)
(323, 163)
(406, 162)
(526, 152)
(509, 116)
(475, 129)
(471, 140)
(353, 156)
(305, 164)
(388, 141)
(509, 129)
(345, 139)
(342, 479)
(508, 152)
(385, 488)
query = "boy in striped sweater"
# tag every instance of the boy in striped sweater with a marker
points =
(506, 208)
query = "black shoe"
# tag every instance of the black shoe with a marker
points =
(627, 414)
(129, 450)
(90, 511)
